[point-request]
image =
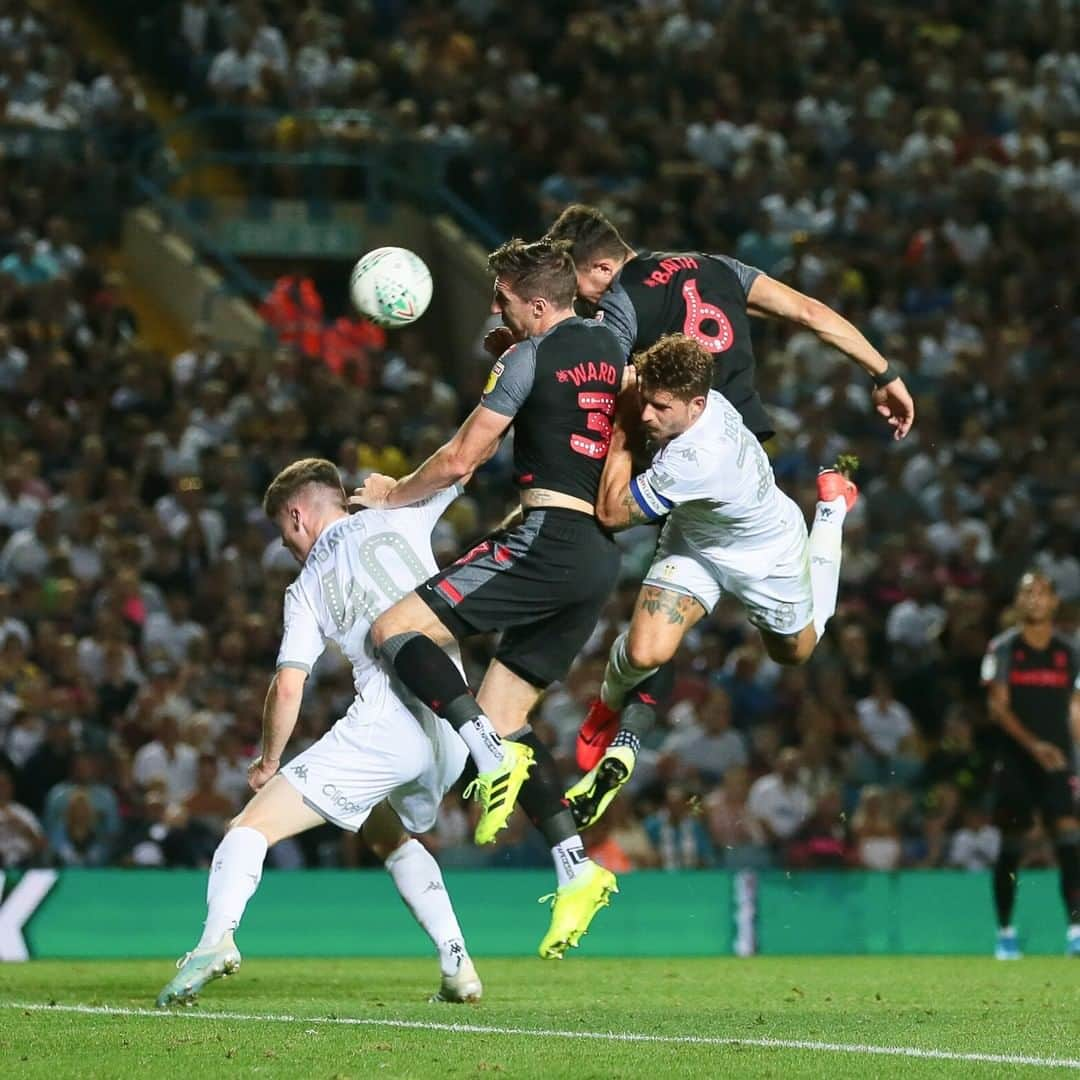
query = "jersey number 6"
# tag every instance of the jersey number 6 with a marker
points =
(698, 313)
(600, 409)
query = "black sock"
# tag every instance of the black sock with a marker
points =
(643, 702)
(1068, 855)
(1005, 871)
(541, 796)
(432, 676)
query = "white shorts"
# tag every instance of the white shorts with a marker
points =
(772, 580)
(380, 750)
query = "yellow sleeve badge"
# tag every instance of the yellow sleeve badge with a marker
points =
(493, 377)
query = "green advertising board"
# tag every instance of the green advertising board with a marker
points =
(148, 913)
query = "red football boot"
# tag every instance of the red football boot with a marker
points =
(834, 482)
(599, 727)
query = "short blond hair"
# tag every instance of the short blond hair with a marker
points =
(301, 474)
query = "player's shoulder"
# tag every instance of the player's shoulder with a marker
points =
(579, 334)
(305, 588)
(1060, 642)
(1005, 640)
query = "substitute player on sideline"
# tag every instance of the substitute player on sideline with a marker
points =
(729, 530)
(353, 568)
(1032, 676)
(543, 583)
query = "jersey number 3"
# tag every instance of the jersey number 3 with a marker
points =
(698, 313)
(600, 409)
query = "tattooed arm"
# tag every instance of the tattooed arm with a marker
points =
(616, 505)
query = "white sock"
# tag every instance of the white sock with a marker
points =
(620, 676)
(235, 873)
(420, 882)
(483, 742)
(826, 542)
(570, 859)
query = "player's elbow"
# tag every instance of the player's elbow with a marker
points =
(813, 314)
(607, 516)
(289, 684)
(459, 465)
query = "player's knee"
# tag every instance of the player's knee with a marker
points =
(643, 653)
(381, 629)
(791, 650)
(383, 847)
(245, 820)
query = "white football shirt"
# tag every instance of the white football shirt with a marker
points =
(716, 483)
(359, 567)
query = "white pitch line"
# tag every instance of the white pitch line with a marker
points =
(553, 1033)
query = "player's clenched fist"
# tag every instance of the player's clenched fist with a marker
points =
(373, 492)
(498, 340)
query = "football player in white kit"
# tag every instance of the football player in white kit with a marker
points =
(383, 768)
(728, 529)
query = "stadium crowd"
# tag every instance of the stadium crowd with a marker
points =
(930, 193)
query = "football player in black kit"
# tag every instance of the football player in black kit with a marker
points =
(542, 582)
(644, 295)
(1031, 674)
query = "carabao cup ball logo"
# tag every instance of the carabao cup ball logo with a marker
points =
(391, 286)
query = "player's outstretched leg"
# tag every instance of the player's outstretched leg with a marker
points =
(235, 872)
(575, 904)
(419, 880)
(596, 790)
(276, 811)
(502, 765)
(837, 494)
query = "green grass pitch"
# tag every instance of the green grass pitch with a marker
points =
(765, 1017)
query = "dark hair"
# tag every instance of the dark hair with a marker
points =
(297, 476)
(676, 364)
(542, 268)
(589, 234)
(1041, 575)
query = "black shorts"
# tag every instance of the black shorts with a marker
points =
(1021, 787)
(542, 583)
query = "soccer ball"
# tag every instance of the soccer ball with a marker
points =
(391, 286)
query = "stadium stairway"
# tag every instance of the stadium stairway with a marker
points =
(156, 326)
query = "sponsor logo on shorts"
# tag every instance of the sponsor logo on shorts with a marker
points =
(300, 772)
(342, 804)
(668, 571)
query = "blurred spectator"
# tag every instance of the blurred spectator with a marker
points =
(874, 831)
(167, 759)
(710, 745)
(976, 843)
(778, 802)
(678, 836)
(80, 837)
(822, 842)
(736, 835)
(22, 839)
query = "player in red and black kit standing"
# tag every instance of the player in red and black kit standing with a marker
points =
(543, 582)
(642, 296)
(1031, 673)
